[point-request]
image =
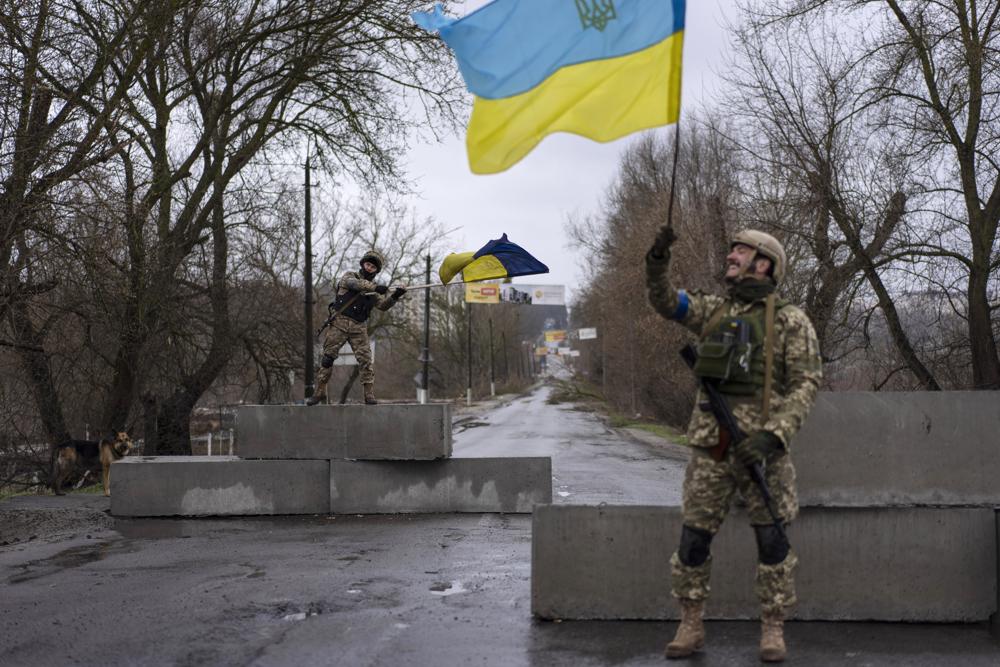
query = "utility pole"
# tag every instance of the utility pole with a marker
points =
(506, 368)
(468, 348)
(310, 370)
(631, 361)
(426, 355)
(493, 376)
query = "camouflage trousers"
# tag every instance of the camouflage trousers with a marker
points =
(709, 487)
(345, 330)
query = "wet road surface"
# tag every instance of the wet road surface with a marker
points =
(591, 463)
(435, 590)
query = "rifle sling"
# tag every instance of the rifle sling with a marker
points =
(330, 319)
(769, 305)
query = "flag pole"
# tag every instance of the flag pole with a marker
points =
(677, 142)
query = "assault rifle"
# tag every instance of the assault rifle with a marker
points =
(727, 420)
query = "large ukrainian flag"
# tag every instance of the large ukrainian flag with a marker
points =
(598, 68)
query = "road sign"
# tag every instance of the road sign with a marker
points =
(555, 336)
(586, 333)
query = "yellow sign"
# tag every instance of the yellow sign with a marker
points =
(541, 351)
(482, 292)
(555, 336)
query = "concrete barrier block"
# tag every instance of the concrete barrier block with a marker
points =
(514, 484)
(218, 486)
(384, 431)
(995, 618)
(884, 564)
(861, 449)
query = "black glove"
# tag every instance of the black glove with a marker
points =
(398, 293)
(381, 289)
(661, 244)
(756, 447)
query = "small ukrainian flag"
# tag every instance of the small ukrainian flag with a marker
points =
(500, 258)
(598, 68)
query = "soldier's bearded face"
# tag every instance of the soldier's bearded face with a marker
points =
(737, 261)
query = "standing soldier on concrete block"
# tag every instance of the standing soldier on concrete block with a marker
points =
(763, 355)
(357, 295)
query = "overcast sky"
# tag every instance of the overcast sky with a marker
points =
(565, 175)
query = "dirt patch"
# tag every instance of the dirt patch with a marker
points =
(18, 525)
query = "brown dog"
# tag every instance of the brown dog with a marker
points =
(87, 454)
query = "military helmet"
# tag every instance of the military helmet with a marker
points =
(375, 257)
(766, 245)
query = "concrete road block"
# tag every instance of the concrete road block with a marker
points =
(513, 484)
(218, 486)
(861, 449)
(898, 564)
(384, 431)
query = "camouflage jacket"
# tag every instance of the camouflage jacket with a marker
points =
(796, 372)
(352, 280)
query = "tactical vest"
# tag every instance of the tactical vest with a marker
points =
(732, 352)
(360, 308)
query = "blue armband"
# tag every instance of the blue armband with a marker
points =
(682, 306)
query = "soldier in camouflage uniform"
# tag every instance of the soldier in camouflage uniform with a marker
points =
(770, 410)
(357, 295)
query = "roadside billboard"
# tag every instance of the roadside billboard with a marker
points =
(533, 295)
(482, 293)
(555, 336)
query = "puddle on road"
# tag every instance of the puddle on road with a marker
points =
(444, 589)
(459, 427)
(299, 616)
(70, 558)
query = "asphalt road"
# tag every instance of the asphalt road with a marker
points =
(435, 590)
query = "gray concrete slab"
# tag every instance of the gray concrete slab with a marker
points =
(384, 431)
(995, 618)
(218, 486)
(860, 449)
(899, 564)
(379, 591)
(508, 484)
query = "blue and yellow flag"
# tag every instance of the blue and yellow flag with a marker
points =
(500, 258)
(598, 68)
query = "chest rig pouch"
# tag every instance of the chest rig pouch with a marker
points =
(732, 354)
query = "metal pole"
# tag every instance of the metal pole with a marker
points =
(506, 368)
(631, 359)
(310, 371)
(493, 376)
(604, 367)
(425, 382)
(468, 349)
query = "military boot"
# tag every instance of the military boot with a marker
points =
(316, 398)
(369, 388)
(690, 635)
(319, 396)
(772, 638)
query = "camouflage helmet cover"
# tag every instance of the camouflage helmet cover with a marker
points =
(375, 257)
(766, 245)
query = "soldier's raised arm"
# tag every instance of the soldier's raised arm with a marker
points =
(352, 281)
(692, 309)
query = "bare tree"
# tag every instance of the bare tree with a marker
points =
(934, 72)
(822, 174)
